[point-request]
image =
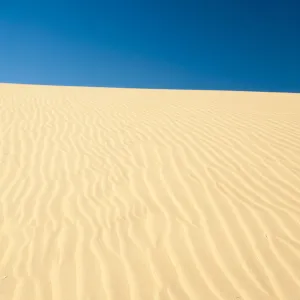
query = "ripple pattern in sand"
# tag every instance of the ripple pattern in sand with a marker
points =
(143, 194)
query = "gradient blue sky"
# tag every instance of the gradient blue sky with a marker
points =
(227, 45)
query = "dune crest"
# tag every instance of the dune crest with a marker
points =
(148, 194)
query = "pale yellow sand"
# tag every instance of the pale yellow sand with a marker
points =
(144, 194)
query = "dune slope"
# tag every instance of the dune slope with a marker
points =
(148, 194)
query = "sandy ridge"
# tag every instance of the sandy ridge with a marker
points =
(148, 194)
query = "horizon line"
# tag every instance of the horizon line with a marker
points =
(145, 88)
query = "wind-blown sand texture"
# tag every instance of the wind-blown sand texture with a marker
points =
(148, 194)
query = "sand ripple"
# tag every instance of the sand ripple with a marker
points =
(145, 194)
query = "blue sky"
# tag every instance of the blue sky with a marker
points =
(223, 45)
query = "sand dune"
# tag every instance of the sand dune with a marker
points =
(148, 194)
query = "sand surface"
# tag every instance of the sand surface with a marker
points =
(120, 194)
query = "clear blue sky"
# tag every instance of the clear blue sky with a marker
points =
(231, 45)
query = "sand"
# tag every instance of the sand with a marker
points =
(148, 194)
